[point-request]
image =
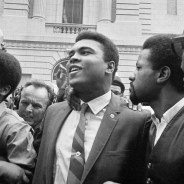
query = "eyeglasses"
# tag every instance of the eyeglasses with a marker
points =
(178, 45)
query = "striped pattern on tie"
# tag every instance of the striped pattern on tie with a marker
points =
(77, 159)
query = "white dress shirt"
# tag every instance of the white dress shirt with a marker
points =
(167, 116)
(64, 141)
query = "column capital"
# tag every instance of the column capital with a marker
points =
(39, 8)
(105, 11)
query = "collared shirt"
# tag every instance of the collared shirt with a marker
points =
(93, 117)
(16, 139)
(167, 117)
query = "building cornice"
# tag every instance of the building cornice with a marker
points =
(58, 46)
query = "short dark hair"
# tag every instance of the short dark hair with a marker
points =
(163, 55)
(10, 71)
(41, 84)
(110, 49)
(117, 82)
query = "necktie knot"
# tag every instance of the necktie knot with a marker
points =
(84, 108)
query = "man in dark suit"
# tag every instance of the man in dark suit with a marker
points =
(114, 146)
(158, 80)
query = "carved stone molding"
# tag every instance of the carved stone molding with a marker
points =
(129, 49)
(60, 46)
(37, 45)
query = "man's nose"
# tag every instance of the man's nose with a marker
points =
(132, 77)
(75, 58)
(29, 108)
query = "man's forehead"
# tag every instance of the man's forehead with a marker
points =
(86, 43)
(33, 90)
(115, 88)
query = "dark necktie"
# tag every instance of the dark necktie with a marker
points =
(77, 159)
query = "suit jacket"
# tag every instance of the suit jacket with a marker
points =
(118, 150)
(166, 160)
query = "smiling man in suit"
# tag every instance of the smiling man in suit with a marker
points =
(103, 143)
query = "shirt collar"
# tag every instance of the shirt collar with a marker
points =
(97, 104)
(170, 113)
(2, 107)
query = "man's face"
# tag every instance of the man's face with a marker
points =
(116, 89)
(33, 104)
(86, 66)
(143, 82)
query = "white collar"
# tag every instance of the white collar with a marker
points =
(97, 104)
(170, 113)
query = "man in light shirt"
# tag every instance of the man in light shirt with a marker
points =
(114, 140)
(158, 80)
(17, 154)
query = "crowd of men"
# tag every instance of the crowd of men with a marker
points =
(93, 137)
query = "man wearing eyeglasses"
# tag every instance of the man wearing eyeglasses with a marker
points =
(178, 48)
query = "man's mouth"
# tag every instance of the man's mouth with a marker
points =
(73, 69)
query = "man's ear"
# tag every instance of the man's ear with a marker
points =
(164, 74)
(5, 90)
(110, 67)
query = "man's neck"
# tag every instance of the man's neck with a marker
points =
(165, 102)
(88, 95)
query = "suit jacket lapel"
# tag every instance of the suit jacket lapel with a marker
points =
(107, 125)
(57, 123)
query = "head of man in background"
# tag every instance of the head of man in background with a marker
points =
(10, 74)
(36, 96)
(117, 87)
(178, 48)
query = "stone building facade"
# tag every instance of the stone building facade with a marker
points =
(40, 32)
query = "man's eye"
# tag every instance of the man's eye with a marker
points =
(138, 67)
(70, 55)
(86, 52)
(36, 106)
(24, 103)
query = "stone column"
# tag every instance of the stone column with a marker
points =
(59, 11)
(39, 8)
(105, 10)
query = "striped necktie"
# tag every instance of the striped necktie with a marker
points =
(77, 159)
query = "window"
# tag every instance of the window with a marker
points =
(172, 7)
(72, 11)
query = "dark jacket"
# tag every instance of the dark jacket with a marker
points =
(118, 151)
(166, 161)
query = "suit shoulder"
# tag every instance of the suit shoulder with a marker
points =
(58, 105)
(135, 116)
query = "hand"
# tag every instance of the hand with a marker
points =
(110, 182)
(60, 77)
(134, 107)
(13, 174)
(72, 98)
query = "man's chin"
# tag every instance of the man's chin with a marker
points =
(29, 121)
(134, 100)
